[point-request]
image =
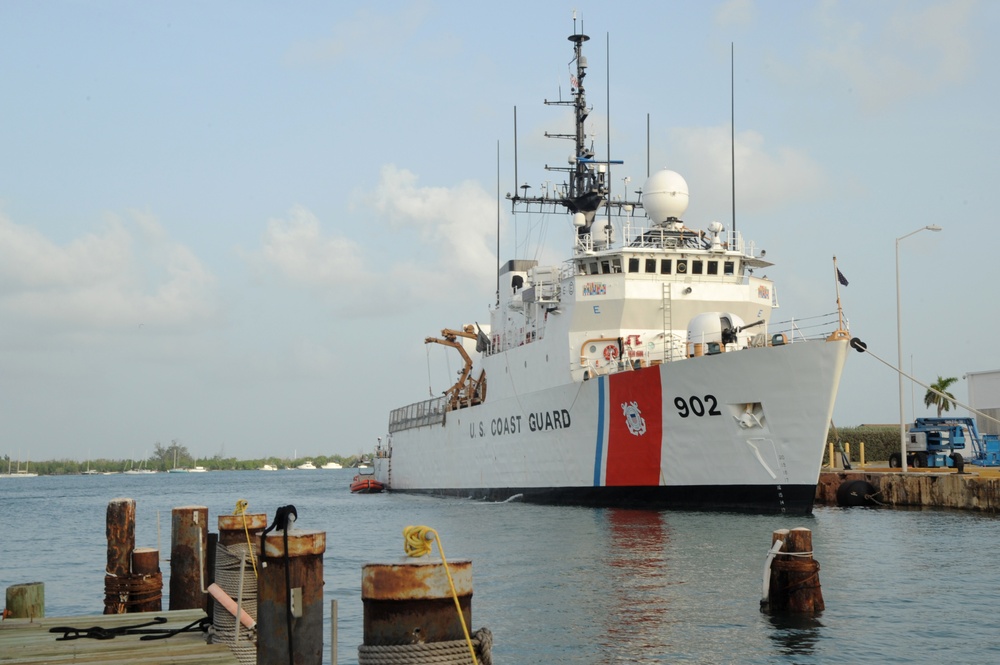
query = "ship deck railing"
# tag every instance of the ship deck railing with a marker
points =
(659, 238)
(428, 412)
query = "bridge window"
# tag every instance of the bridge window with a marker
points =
(633, 264)
(713, 267)
(697, 267)
(665, 266)
(727, 267)
(651, 265)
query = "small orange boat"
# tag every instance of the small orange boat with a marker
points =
(365, 483)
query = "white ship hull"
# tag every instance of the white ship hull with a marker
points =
(573, 444)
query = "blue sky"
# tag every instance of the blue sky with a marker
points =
(232, 224)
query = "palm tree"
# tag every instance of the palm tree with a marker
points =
(939, 396)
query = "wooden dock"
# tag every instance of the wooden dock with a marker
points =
(29, 641)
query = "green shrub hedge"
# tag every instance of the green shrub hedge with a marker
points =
(879, 440)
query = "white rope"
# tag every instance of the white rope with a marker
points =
(766, 585)
(430, 653)
(234, 574)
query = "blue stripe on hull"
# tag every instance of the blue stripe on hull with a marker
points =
(760, 499)
(599, 446)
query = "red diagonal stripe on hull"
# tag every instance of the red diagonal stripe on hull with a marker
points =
(633, 458)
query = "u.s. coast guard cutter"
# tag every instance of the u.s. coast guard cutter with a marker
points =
(639, 373)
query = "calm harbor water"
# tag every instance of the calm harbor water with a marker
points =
(567, 585)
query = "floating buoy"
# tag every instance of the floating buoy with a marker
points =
(855, 493)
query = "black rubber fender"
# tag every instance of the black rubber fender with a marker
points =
(855, 493)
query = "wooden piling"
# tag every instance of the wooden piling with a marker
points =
(147, 581)
(26, 601)
(300, 574)
(120, 529)
(188, 545)
(794, 583)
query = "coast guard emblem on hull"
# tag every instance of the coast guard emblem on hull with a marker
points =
(633, 418)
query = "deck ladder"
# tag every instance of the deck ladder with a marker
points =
(668, 328)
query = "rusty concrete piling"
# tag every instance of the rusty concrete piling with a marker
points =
(290, 598)
(188, 546)
(794, 575)
(120, 530)
(411, 602)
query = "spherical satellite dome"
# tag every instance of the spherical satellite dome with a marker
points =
(665, 196)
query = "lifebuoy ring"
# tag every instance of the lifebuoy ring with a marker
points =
(611, 352)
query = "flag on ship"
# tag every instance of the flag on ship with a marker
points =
(841, 278)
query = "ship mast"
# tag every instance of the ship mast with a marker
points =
(586, 189)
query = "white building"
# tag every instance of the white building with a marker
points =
(984, 396)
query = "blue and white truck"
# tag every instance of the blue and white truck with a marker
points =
(948, 442)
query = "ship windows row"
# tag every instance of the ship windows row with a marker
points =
(682, 267)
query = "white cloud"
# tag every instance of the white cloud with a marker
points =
(298, 250)
(915, 53)
(115, 277)
(458, 222)
(427, 244)
(766, 176)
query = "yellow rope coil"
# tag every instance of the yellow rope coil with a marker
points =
(416, 543)
(241, 509)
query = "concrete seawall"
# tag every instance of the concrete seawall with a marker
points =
(978, 489)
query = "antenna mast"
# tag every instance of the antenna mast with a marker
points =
(587, 188)
(732, 123)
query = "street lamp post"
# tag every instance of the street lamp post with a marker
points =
(899, 347)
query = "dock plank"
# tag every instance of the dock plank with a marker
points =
(29, 642)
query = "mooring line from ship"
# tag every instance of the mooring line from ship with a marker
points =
(416, 543)
(862, 347)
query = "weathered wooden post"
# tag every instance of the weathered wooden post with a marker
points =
(188, 543)
(26, 601)
(120, 529)
(794, 581)
(291, 575)
(147, 581)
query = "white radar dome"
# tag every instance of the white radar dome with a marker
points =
(665, 196)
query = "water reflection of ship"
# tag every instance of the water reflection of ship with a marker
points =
(639, 565)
